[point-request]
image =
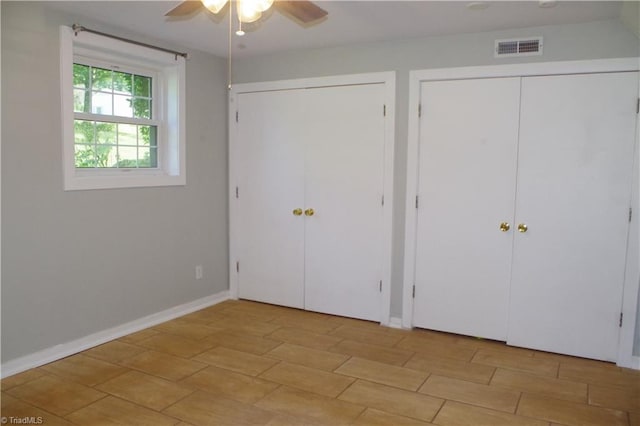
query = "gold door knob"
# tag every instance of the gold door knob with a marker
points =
(309, 212)
(504, 226)
(297, 212)
(522, 228)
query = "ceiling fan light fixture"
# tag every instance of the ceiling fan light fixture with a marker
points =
(262, 5)
(214, 6)
(247, 11)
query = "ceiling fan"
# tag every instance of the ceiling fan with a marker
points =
(303, 11)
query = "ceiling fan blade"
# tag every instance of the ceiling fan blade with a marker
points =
(185, 8)
(303, 10)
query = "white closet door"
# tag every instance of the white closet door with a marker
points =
(574, 177)
(344, 179)
(271, 186)
(467, 168)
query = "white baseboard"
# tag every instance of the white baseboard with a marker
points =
(634, 363)
(63, 350)
(395, 322)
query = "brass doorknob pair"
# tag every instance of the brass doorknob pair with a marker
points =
(504, 227)
(307, 212)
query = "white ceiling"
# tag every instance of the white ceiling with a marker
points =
(348, 22)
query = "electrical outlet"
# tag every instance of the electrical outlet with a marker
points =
(198, 272)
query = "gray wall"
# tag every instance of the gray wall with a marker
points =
(604, 39)
(75, 263)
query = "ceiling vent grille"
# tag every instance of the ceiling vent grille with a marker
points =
(531, 46)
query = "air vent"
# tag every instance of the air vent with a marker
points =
(518, 47)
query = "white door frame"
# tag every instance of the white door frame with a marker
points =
(389, 81)
(416, 77)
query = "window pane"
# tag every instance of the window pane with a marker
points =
(122, 83)
(122, 106)
(127, 156)
(101, 79)
(81, 76)
(105, 155)
(142, 108)
(83, 132)
(147, 157)
(106, 133)
(127, 134)
(101, 103)
(85, 156)
(147, 135)
(141, 86)
(81, 100)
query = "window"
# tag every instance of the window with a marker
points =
(123, 114)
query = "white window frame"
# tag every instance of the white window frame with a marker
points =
(169, 110)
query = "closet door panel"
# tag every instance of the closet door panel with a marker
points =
(271, 186)
(574, 180)
(344, 142)
(467, 169)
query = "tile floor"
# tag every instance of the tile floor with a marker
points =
(246, 363)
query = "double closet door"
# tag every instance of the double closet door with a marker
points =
(524, 187)
(310, 186)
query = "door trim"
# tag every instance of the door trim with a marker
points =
(416, 77)
(388, 79)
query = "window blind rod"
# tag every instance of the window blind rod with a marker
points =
(77, 28)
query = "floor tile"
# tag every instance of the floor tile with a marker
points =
(240, 362)
(115, 351)
(203, 316)
(83, 369)
(241, 342)
(392, 400)
(146, 390)
(375, 337)
(187, 329)
(298, 403)
(304, 338)
(115, 411)
(368, 325)
(203, 409)
(308, 357)
(286, 420)
(569, 413)
(140, 335)
(228, 384)
(239, 323)
(172, 344)
(315, 325)
(597, 375)
(378, 353)
(373, 417)
(20, 378)
(435, 348)
(458, 414)
(525, 363)
(308, 379)
(493, 346)
(383, 373)
(450, 367)
(56, 395)
(626, 399)
(531, 383)
(16, 409)
(162, 365)
(471, 393)
(263, 312)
